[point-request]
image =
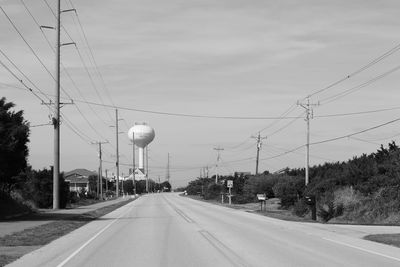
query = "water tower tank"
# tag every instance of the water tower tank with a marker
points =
(142, 134)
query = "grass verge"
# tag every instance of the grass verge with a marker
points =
(270, 210)
(15, 245)
(388, 239)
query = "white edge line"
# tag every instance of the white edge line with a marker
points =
(363, 249)
(89, 241)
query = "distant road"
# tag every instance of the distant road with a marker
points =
(169, 230)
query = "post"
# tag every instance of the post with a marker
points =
(309, 114)
(56, 118)
(133, 164)
(168, 171)
(218, 149)
(308, 149)
(230, 196)
(259, 143)
(101, 172)
(117, 163)
(106, 180)
(147, 169)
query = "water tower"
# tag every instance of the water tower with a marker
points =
(142, 135)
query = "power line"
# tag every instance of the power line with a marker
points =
(365, 67)
(358, 87)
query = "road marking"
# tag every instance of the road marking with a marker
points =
(363, 249)
(229, 254)
(90, 240)
(180, 212)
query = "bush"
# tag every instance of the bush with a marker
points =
(289, 189)
(213, 191)
(38, 187)
(73, 197)
(301, 208)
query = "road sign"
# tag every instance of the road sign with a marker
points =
(229, 183)
(261, 197)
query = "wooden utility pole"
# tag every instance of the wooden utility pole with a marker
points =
(218, 149)
(259, 144)
(309, 115)
(100, 176)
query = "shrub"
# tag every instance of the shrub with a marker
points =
(301, 208)
(213, 191)
(289, 189)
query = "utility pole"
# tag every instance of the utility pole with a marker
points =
(56, 118)
(147, 169)
(218, 149)
(100, 176)
(168, 171)
(57, 106)
(133, 164)
(117, 162)
(309, 115)
(106, 180)
(259, 144)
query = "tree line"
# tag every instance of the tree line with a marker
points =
(364, 189)
(34, 188)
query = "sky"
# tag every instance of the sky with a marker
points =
(233, 68)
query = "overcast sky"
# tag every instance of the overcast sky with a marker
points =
(228, 58)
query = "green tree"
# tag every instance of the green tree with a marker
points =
(14, 136)
(38, 187)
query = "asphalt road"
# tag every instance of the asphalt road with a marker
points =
(169, 230)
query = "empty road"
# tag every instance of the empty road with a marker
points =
(169, 230)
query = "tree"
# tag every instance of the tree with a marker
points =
(14, 136)
(38, 187)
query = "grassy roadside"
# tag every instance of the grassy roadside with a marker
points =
(15, 245)
(388, 239)
(271, 210)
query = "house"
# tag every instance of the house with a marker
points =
(78, 179)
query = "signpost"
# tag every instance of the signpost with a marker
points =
(229, 184)
(262, 198)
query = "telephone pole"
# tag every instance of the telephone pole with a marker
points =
(259, 144)
(57, 106)
(100, 176)
(133, 164)
(168, 171)
(147, 169)
(218, 149)
(117, 149)
(309, 115)
(106, 180)
(56, 118)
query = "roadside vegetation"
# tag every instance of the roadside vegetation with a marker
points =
(24, 190)
(362, 190)
(15, 245)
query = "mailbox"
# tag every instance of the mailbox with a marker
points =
(310, 200)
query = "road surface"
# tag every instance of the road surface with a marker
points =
(169, 230)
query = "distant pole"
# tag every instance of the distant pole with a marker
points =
(218, 149)
(106, 180)
(147, 169)
(133, 164)
(168, 169)
(309, 115)
(259, 144)
(56, 118)
(99, 190)
(117, 162)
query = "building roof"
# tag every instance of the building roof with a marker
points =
(78, 173)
